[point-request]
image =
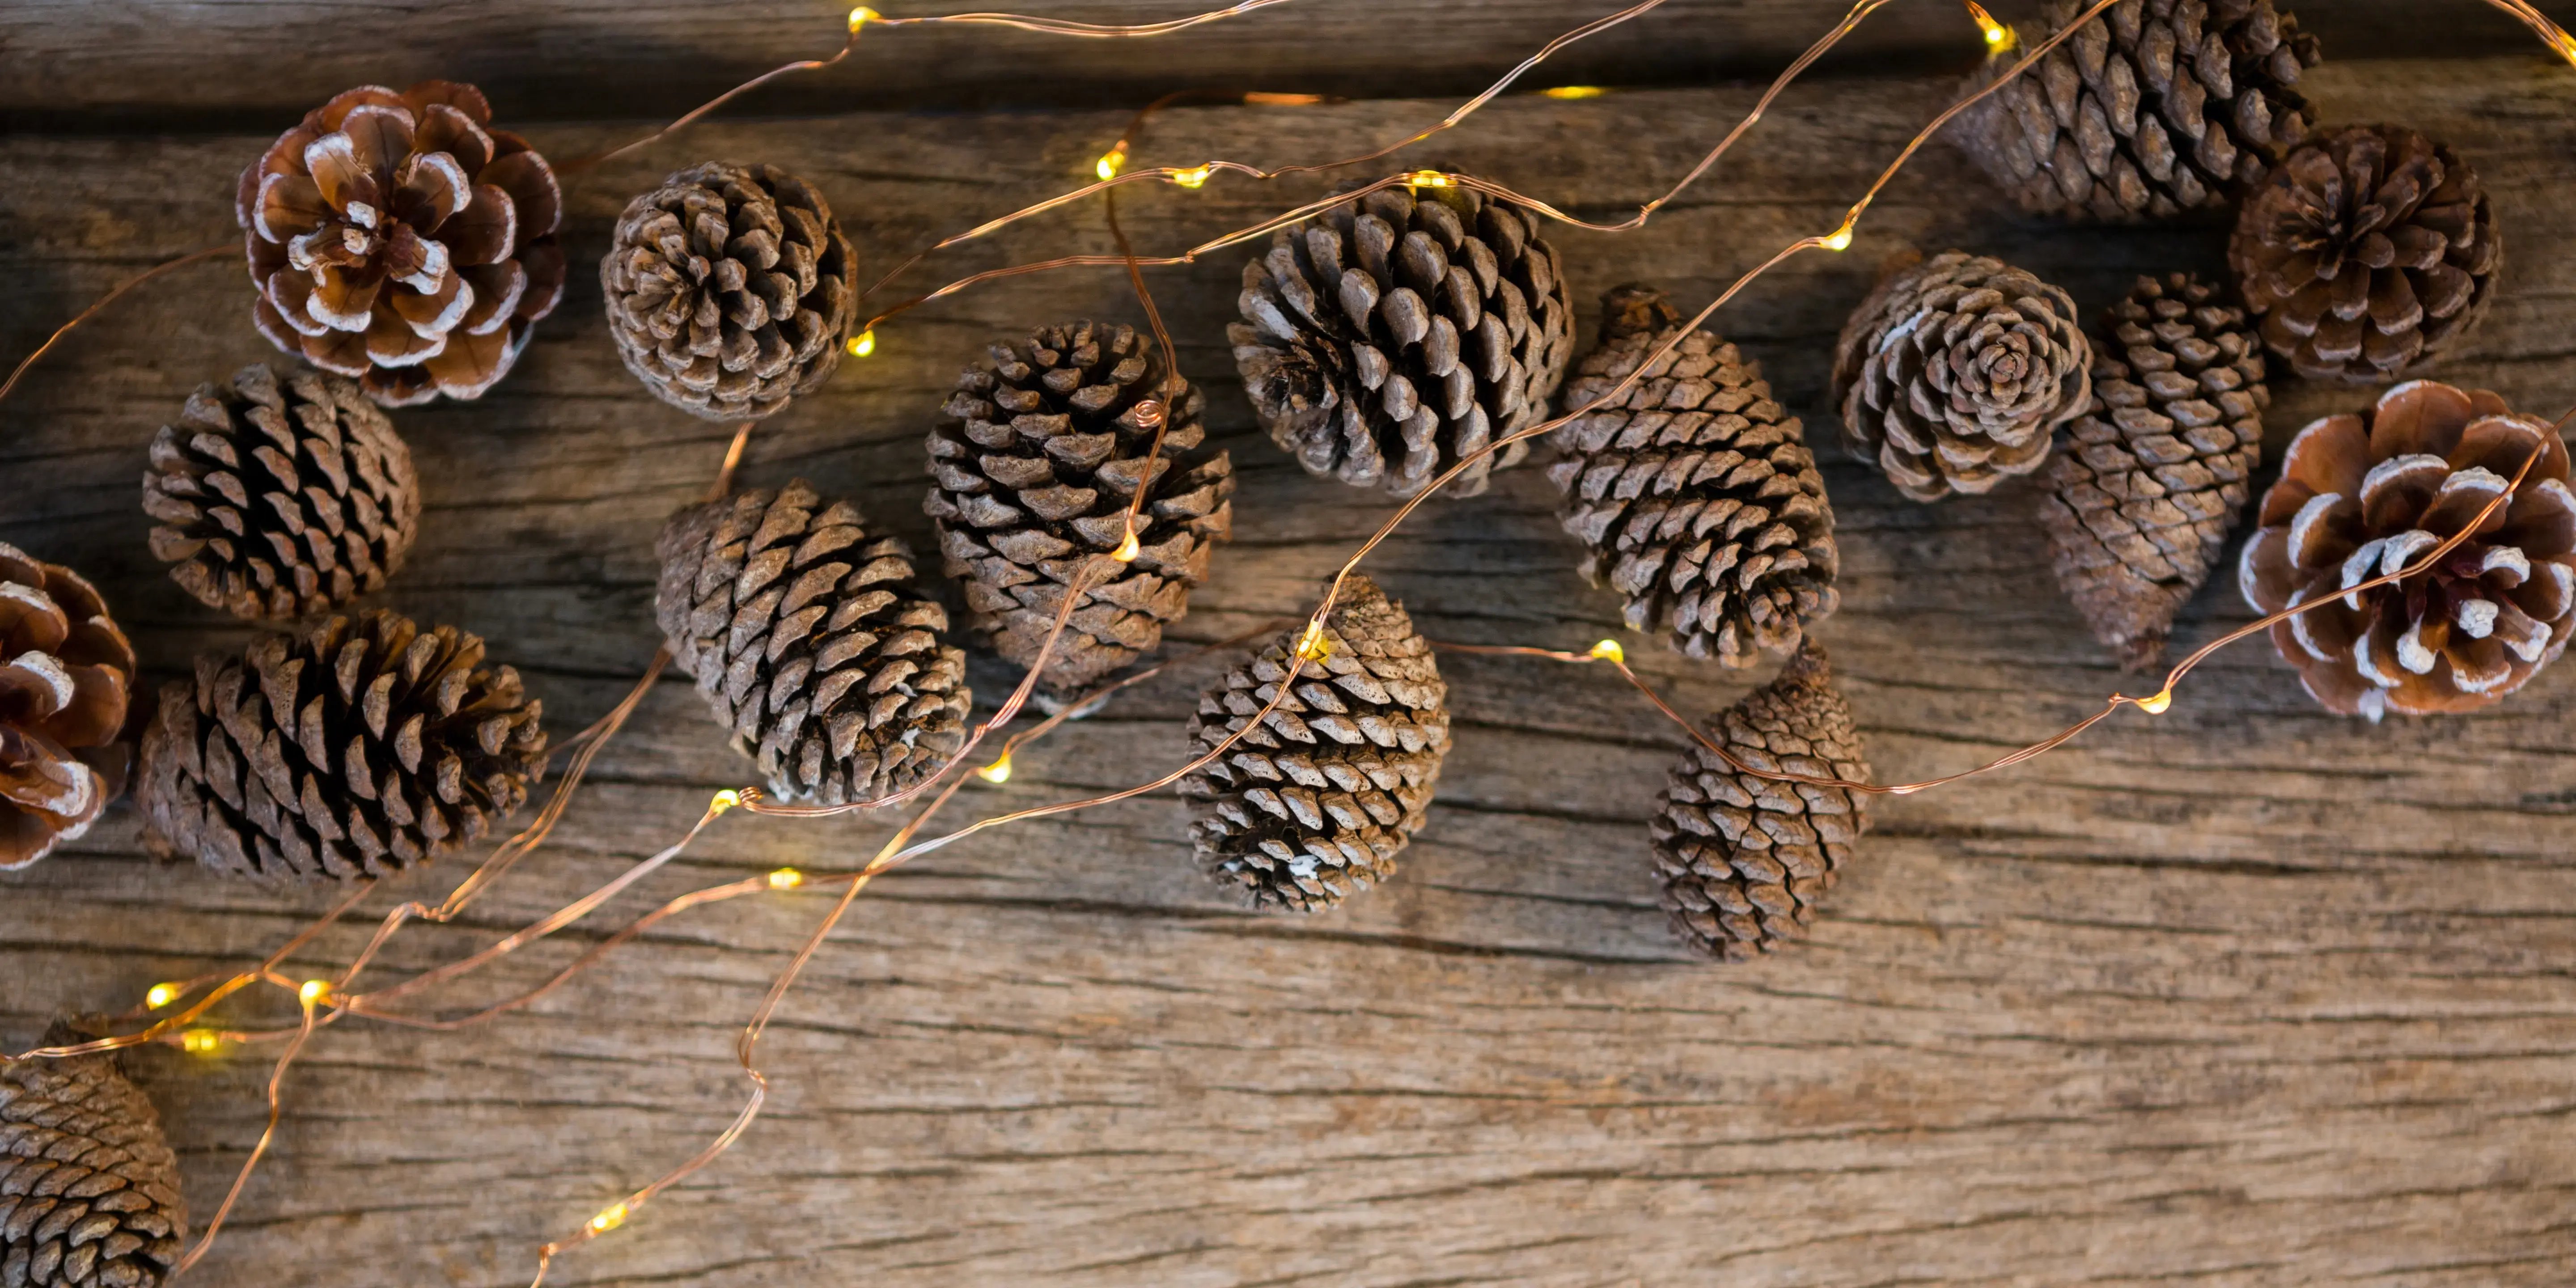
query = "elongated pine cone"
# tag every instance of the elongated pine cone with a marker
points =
(730, 289)
(360, 747)
(89, 1191)
(1693, 492)
(65, 675)
(1040, 452)
(2155, 474)
(2158, 108)
(1743, 859)
(1388, 338)
(1952, 374)
(400, 240)
(811, 645)
(1314, 802)
(2368, 250)
(2362, 496)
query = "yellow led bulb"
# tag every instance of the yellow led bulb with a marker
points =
(316, 992)
(1573, 91)
(1111, 162)
(161, 995)
(1998, 36)
(997, 772)
(1609, 651)
(609, 1220)
(1312, 645)
(1839, 239)
(861, 17)
(2155, 704)
(724, 800)
(1426, 179)
(1193, 178)
(786, 879)
(201, 1042)
(1128, 549)
(864, 343)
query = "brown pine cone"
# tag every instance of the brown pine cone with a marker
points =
(811, 645)
(1745, 859)
(399, 239)
(1952, 373)
(2362, 496)
(2155, 473)
(89, 1191)
(2158, 108)
(1041, 451)
(1386, 339)
(2367, 251)
(730, 289)
(402, 747)
(1315, 802)
(1693, 492)
(65, 673)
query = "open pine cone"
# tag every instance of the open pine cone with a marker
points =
(65, 674)
(89, 1190)
(399, 239)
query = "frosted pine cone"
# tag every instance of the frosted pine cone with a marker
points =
(65, 675)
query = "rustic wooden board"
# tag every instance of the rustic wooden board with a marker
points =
(2244, 995)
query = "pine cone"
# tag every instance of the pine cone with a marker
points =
(810, 643)
(2361, 496)
(2368, 250)
(1042, 451)
(730, 289)
(2158, 469)
(65, 672)
(1317, 800)
(397, 238)
(1952, 373)
(89, 1191)
(1693, 493)
(2158, 108)
(1386, 339)
(1745, 859)
(403, 748)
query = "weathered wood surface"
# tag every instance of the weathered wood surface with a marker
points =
(2242, 995)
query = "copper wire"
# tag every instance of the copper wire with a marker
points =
(114, 293)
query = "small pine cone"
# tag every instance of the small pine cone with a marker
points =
(89, 1191)
(1386, 339)
(2159, 108)
(730, 289)
(2362, 496)
(811, 645)
(1043, 449)
(2156, 472)
(1953, 372)
(65, 675)
(404, 748)
(1693, 493)
(1316, 801)
(1745, 859)
(2368, 250)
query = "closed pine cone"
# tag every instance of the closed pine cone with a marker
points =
(89, 1191)
(1390, 337)
(1041, 452)
(1693, 492)
(1314, 803)
(811, 645)
(2155, 474)
(65, 676)
(1745, 859)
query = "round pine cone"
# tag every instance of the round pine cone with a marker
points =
(1693, 492)
(89, 1191)
(1392, 336)
(65, 674)
(404, 747)
(2159, 108)
(730, 289)
(399, 239)
(1952, 373)
(2368, 250)
(2156, 472)
(811, 645)
(1042, 450)
(281, 496)
(1315, 801)
(2362, 496)
(1745, 859)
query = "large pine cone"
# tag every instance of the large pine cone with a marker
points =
(1951, 375)
(399, 239)
(1042, 451)
(1693, 493)
(1745, 859)
(730, 289)
(1315, 802)
(2155, 473)
(2368, 250)
(2362, 496)
(359, 748)
(65, 674)
(89, 1191)
(1388, 338)
(2158, 108)
(811, 645)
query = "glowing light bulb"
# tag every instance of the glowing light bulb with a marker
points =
(1573, 91)
(1128, 549)
(1839, 239)
(724, 800)
(1609, 651)
(2155, 704)
(1193, 178)
(786, 879)
(1998, 36)
(1426, 179)
(315, 992)
(1312, 645)
(864, 343)
(1111, 162)
(861, 17)
(997, 772)
(160, 995)
(201, 1042)
(2566, 43)
(609, 1220)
